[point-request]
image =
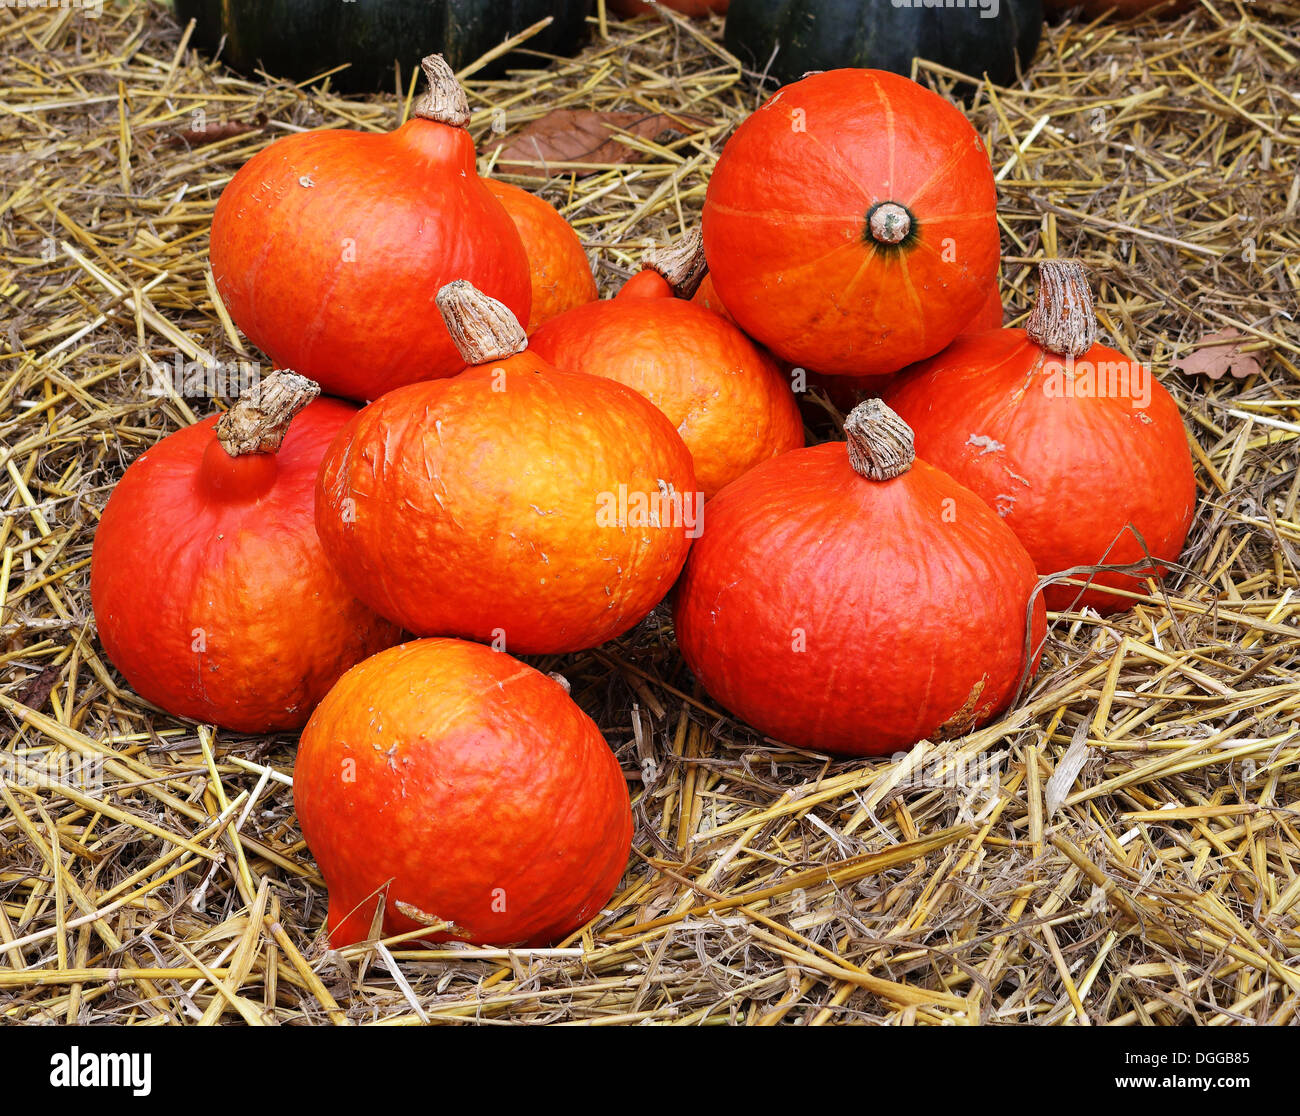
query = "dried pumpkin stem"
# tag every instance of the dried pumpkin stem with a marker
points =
(444, 101)
(260, 420)
(880, 443)
(889, 223)
(483, 328)
(1063, 320)
(682, 265)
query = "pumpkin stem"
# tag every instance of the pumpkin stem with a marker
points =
(258, 422)
(889, 223)
(444, 101)
(1062, 320)
(483, 328)
(880, 443)
(681, 264)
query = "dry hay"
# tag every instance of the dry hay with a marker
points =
(1135, 854)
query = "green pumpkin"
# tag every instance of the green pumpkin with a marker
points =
(883, 35)
(298, 39)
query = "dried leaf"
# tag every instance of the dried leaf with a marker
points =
(196, 137)
(1217, 354)
(584, 136)
(37, 691)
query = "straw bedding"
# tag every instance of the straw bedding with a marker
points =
(1122, 847)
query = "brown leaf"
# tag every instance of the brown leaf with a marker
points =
(196, 137)
(1217, 354)
(37, 691)
(584, 136)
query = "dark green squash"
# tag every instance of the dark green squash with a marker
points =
(878, 35)
(298, 39)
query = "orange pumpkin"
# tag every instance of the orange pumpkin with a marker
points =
(706, 295)
(1074, 445)
(211, 593)
(561, 273)
(328, 247)
(544, 511)
(850, 226)
(726, 397)
(853, 599)
(465, 788)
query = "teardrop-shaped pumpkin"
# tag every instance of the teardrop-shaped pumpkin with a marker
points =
(849, 598)
(211, 593)
(561, 274)
(540, 510)
(849, 225)
(328, 247)
(1076, 446)
(726, 397)
(466, 788)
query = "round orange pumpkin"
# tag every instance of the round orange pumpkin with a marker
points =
(468, 790)
(846, 392)
(561, 273)
(1072, 443)
(543, 511)
(706, 295)
(897, 610)
(328, 247)
(850, 226)
(726, 397)
(210, 590)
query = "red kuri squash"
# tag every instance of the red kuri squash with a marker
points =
(850, 226)
(706, 295)
(465, 788)
(897, 610)
(561, 273)
(328, 247)
(726, 397)
(1072, 443)
(211, 593)
(543, 511)
(846, 392)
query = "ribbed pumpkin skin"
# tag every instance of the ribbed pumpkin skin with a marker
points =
(471, 782)
(847, 391)
(560, 272)
(218, 604)
(786, 213)
(727, 398)
(337, 279)
(828, 34)
(1070, 474)
(907, 596)
(456, 509)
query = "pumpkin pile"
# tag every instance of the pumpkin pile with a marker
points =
(530, 469)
